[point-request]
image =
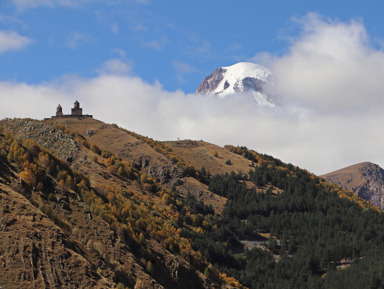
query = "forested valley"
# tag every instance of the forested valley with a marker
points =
(300, 232)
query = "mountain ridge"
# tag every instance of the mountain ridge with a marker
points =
(365, 180)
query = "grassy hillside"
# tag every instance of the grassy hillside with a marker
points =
(123, 222)
(140, 213)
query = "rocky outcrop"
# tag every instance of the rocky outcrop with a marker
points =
(211, 82)
(365, 180)
(165, 174)
(47, 136)
(250, 83)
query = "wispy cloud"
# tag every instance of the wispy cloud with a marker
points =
(115, 67)
(115, 28)
(10, 40)
(138, 27)
(198, 47)
(142, 1)
(182, 69)
(75, 39)
(235, 47)
(156, 44)
(28, 4)
(120, 52)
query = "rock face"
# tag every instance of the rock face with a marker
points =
(365, 180)
(211, 82)
(243, 77)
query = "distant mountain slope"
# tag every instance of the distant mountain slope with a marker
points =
(242, 77)
(365, 180)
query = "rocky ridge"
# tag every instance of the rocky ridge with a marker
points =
(365, 180)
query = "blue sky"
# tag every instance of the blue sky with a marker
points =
(176, 43)
(137, 63)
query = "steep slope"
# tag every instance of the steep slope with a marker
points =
(365, 180)
(34, 251)
(243, 77)
(123, 223)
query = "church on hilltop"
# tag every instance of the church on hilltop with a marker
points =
(77, 112)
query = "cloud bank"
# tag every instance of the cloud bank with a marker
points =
(331, 82)
(331, 67)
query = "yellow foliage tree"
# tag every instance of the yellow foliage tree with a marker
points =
(28, 177)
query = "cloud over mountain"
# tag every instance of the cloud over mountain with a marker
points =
(331, 81)
(332, 66)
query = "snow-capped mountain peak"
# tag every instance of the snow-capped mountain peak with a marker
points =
(239, 78)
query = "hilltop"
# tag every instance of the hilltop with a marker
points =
(84, 198)
(365, 180)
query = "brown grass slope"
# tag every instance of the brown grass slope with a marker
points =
(365, 180)
(34, 251)
(150, 160)
(145, 251)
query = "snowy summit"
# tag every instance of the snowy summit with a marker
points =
(240, 78)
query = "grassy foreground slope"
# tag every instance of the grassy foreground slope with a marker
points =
(119, 219)
(185, 214)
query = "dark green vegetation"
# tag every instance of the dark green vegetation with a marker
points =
(313, 234)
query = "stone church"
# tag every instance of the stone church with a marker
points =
(77, 111)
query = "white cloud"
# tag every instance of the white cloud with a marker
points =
(331, 80)
(10, 40)
(332, 67)
(264, 58)
(23, 100)
(27, 4)
(181, 69)
(115, 66)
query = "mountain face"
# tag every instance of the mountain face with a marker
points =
(243, 77)
(365, 180)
